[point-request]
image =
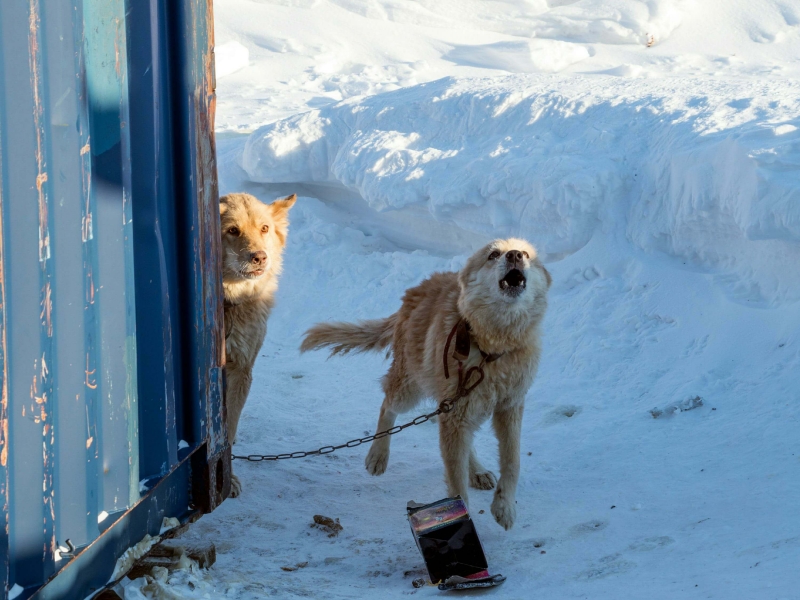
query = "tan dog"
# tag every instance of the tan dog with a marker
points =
(502, 295)
(253, 238)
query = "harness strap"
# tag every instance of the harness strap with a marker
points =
(490, 357)
(461, 352)
(447, 348)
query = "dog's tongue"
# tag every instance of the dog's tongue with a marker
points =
(514, 278)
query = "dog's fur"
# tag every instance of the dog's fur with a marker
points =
(504, 318)
(253, 239)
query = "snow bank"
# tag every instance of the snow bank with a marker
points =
(703, 171)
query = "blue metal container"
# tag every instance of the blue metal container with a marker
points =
(111, 327)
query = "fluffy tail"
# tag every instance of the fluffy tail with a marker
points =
(364, 336)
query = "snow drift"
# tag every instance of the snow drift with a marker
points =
(702, 171)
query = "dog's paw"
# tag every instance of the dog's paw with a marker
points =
(483, 481)
(236, 487)
(376, 461)
(504, 511)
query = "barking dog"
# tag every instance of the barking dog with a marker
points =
(253, 238)
(501, 294)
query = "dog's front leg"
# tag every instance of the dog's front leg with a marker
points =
(455, 441)
(507, 427)
(238, 387)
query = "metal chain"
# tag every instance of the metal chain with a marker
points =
(445, 406)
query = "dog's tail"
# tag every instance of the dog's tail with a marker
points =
(365, 336)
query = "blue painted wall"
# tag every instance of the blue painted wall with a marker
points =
(111, 343)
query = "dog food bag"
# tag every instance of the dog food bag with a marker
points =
(447, 539)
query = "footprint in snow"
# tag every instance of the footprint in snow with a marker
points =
(513, 549)
(561, 414)
(580, 277)
(593, 525)
(606, 566)
(651, 543)
(696, 347)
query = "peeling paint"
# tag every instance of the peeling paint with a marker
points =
(208, 316)
(89, 286)
(3, 371)
(92, 385)
(86, 227)
(125, 209)
(116, 47)
(34, 59)
(47, 316)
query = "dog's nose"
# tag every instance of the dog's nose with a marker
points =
(258, 258)
(514, 256)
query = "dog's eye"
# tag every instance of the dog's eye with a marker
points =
(234, 231)
(525, 254)
(264, 228)
(494, 254)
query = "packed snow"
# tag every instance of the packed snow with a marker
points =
(651, 151)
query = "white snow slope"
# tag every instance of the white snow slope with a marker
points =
(651, 150)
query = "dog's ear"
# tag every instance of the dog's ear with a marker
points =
(548, 277)
(282, 206)
(280, 214)
(223, 205)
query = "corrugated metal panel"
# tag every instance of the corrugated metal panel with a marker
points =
(110, 316)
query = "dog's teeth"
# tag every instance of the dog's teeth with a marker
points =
(503, 284)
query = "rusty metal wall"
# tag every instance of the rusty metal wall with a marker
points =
(111, 344)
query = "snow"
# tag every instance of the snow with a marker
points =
(230, 57)
(650, 149)
(15, 591)
(163, 584)
(528, 56)
(132, 554)
(167, 524)
(306, 54)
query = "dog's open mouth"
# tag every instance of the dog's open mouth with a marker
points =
(254, 273)
(513, 282)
